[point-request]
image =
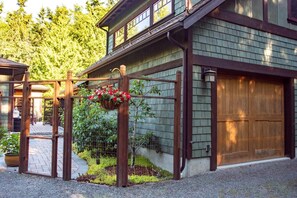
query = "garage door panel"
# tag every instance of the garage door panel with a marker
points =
(267, 139)
(233, 141)
(250, 119)
(267, 98)
(232, 96)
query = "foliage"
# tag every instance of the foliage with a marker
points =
(140, 110)
(56, 41)
(93, 128)
(103, 177)
(10, 143)
(110, 93)
(3, 132)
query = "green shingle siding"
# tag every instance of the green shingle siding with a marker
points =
(220, 39)
(201, 115)
(224, 40)
(179, 6)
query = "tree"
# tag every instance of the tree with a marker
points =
(139, 110)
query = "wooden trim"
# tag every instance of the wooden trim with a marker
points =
(188, 91)
(265, 11)
(243, 67)
(253, 23)
(289, 118)
(11, 106)
(203, 11)
(291, 19)
(214, 130)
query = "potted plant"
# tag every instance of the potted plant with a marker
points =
(109, 97)
(10, 146)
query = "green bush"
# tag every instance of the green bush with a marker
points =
(3, 131)
(94, 129)
(10, 143)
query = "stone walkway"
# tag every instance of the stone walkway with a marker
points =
(40, 152)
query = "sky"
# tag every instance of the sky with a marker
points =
(33, 6)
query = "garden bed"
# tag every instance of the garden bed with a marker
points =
(105, 172)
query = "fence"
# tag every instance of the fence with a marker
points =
(68, 97)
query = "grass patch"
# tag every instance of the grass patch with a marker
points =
(105, 172)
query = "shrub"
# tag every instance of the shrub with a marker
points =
(94, 129)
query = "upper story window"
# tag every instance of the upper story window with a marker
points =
(149, 15)
(162, 9)
(138, 24)
(119, 36)
(293, 10)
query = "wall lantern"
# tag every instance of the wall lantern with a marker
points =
(208, 75)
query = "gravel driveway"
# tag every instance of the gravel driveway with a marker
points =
(273, 179)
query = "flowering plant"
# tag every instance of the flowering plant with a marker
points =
(109, 95)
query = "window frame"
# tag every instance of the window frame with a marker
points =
(124, 24)
(291, 19)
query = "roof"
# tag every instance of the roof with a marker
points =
(11, 68)
(186, 20)
(115, 11)
(5, 63)
(39, 88)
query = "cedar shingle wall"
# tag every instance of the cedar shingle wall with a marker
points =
(219, 39)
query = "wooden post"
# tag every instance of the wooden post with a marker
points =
(55, 129)
(123, 127)
(25, 126)
(68, 128)
(177, 117)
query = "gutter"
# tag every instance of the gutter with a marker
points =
(185, 77)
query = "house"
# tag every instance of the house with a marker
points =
(9, 71)
(248, 112)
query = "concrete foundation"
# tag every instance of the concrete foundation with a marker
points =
(196, 166)
(162, 160)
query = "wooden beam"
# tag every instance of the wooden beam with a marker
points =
(256, 24)
(25, 126)
(242, 67)
(55, 122)
(214, 118)
(123, 129)
(289, 118)
(67, 152)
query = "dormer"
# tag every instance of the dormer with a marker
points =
(131, 18)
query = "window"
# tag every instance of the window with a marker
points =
(119, 37)
(138, 24)
(292, 10)
(149, 15)
(162, 9)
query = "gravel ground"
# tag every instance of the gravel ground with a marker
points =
(273, 179)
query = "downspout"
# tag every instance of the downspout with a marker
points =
(107, 43)
(185, 77)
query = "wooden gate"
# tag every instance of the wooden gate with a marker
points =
(250, 119)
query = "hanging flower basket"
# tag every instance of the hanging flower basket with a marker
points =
(109, 97)
(109, 105)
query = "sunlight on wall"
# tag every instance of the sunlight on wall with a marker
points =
(295, 51)
(268, 52)
(231, 133)
(275, 1)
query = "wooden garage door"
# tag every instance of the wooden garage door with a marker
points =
(250, 119)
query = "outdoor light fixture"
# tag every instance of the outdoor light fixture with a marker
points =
(208, 75)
